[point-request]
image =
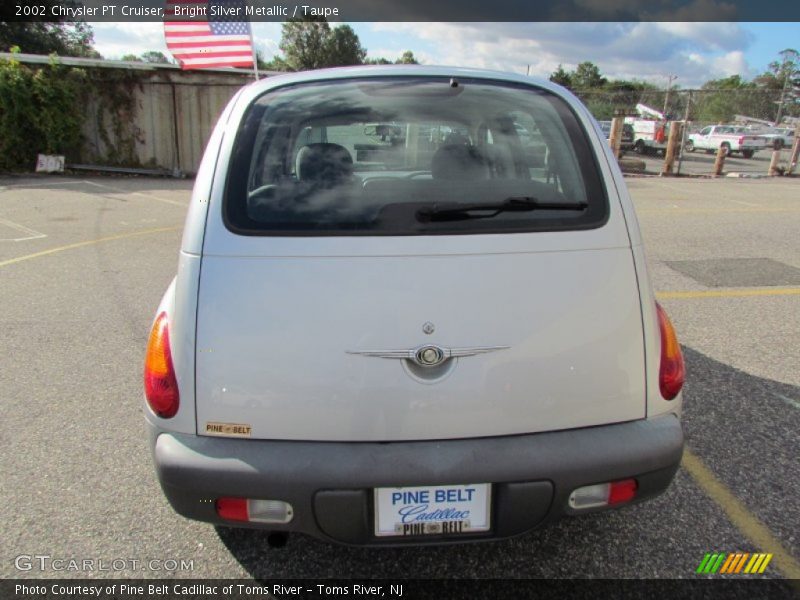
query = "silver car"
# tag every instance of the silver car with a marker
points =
(392, 323)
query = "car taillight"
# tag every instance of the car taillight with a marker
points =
(603, 494)
(671, 373)
(741, 140)
(252, 510)
(160, 385)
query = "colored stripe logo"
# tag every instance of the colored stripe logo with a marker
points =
(735, 563)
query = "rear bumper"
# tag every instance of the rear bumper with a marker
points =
(329, 484)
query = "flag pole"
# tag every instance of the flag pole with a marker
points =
(255, 54)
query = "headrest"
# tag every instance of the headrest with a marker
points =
(328, 164)
(459, 162)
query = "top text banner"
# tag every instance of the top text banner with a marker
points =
(407, 10)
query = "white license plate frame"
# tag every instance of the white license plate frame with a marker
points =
(420, 511)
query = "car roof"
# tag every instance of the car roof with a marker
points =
(257, 88)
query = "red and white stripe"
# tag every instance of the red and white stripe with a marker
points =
(194, 46)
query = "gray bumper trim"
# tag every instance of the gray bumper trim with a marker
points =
(318, 477)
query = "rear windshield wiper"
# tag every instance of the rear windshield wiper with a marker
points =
(487, 210)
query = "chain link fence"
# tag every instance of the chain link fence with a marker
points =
(699, 106)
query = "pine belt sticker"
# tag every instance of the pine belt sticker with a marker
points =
(228, 429)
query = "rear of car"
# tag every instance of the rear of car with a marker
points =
(411, 307)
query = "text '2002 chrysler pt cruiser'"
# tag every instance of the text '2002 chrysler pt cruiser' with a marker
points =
(411, 307)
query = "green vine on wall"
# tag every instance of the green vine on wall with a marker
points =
(114, 92)
(43, 109)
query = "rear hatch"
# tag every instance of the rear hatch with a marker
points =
(346, 246)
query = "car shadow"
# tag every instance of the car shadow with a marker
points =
(727, 413)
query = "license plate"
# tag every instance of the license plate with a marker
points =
(432, 510)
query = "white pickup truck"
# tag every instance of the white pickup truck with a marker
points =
(778, 137)
(731, 139)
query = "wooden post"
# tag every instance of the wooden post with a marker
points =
(673, 141)
(720, 162)
(684, 129)
(795, 151)
(773, 164)
(615, 137)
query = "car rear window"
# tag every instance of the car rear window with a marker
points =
(411, 156)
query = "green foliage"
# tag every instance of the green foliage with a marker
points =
(343, 48)
(42, 110)
(561, 77)
(112, 93)
(587, 76)
(32, 115)
(155, 57)
(311, 43)
(36, 37)
(304, 43)
(407, 58)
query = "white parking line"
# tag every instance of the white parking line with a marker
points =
(32, 233)
(41, 184)
(787, 400)
(124, 191)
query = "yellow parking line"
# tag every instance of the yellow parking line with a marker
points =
(737, 513)
(787, 291)
(110, 238)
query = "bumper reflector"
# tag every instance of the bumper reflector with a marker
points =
(254, 511)
(603, 494)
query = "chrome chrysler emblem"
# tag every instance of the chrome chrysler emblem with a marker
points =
(428, 355)
(428, 327)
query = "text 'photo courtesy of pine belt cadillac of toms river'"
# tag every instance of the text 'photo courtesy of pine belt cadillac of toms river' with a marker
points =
(411, 307)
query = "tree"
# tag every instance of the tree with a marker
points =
(311, 43)
(561, 77)
(587, 76)
(131, 58)
(407, 58)
(155, 57)
(726, 97)
(343, 48)
(782, 75)
(64, 39)
(304, 41)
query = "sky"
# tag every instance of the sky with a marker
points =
(695, 52)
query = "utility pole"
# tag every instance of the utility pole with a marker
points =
(783, 92)
(684, 131)
(787, 76)
(669, 87)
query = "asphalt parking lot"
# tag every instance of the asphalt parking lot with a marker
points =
(699, 163)
(84, 262)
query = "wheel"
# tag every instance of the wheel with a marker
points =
(709, 152)
(639, 147)
(726, 149)
(747, 153)
(777, 143)
(689, 145)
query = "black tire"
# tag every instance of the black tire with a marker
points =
(689, 146)
(777, 143)
(747, 153)
(639, 147)
(709, 152)
(726, 149)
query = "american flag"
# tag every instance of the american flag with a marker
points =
(215, 38)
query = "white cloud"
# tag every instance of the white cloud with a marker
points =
(648, 51)
(115, 40)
